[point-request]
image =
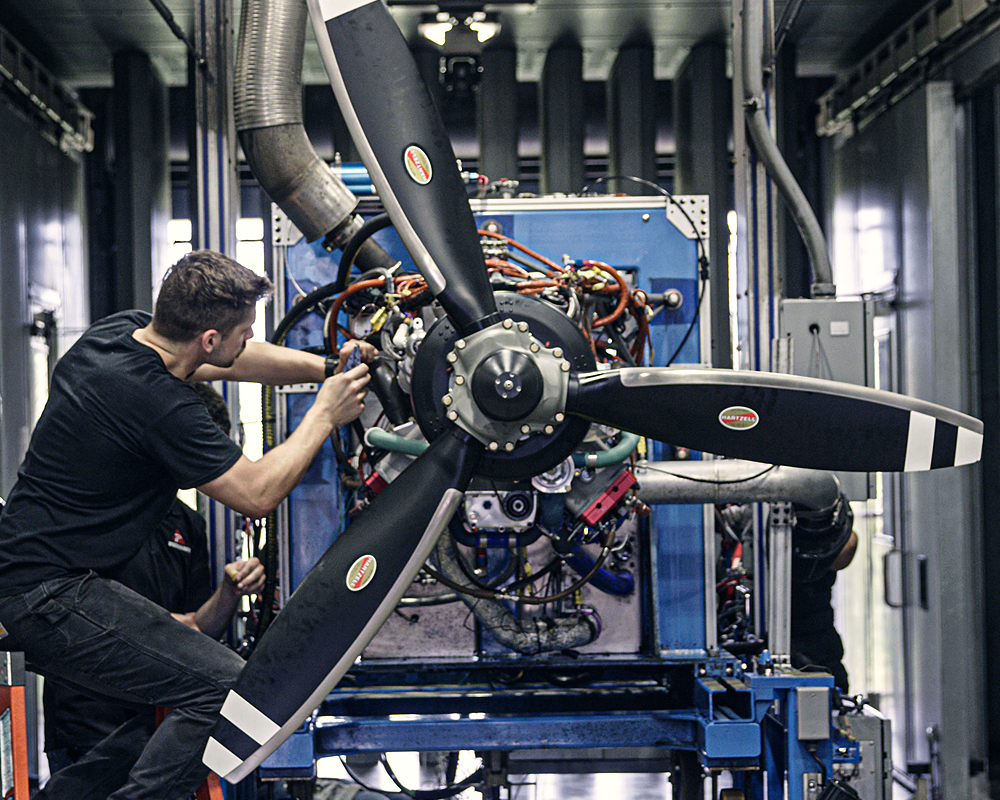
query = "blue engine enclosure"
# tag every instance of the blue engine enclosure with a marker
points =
(655, 677)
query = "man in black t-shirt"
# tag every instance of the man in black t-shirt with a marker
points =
(121, 432)
(823, 543)
(172, 570)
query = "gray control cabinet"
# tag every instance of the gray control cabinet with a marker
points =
(834, 340)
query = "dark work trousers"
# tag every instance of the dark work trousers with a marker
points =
(94, 634)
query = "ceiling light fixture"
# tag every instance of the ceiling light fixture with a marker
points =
(484, 25)
(437, 27)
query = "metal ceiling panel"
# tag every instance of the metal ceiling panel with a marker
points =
(76, 39)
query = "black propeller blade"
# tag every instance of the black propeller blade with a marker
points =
(406, 148)
(340, 606)
(779, 419)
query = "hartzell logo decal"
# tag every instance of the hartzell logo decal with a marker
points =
(739, 418)
(418, 165)
(361, 573)
(3, 632)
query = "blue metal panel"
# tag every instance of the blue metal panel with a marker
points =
(679, 578)
(786, 758)
(723, 741)
(296, 758)
(315, 507)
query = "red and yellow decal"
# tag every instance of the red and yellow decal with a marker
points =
(739, 418)
(361, 573)
(418, 165)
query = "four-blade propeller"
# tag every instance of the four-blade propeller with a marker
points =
(770, 418)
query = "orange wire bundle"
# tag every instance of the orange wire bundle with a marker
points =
(634, 302)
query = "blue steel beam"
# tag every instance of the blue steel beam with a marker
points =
(671, 729)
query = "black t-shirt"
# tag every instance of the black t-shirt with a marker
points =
(172, 570)
(814, 639)
(118, 436)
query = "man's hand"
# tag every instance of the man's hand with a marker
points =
(241, 578)
(245, 577)
(188, 619)
(342, 396)
(366, 351)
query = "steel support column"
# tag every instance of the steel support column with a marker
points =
(141, 178)
(985, 136)
(214, 192)
(702, 126)
(758, 288)
(214, 189)
(497, 117)
(631, 113)
(560, 118)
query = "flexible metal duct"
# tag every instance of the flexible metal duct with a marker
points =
(268, 112)
(725, 481)
(525, 636)
(768, 152)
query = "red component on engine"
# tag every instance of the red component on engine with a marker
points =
(376, 483)
(609, 499)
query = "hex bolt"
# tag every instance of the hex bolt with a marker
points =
(548, 429)
(533, 347)
(645, 217)
(559, 417)
(447, 400)
(460, 344)
(508, 323)
(509, 446)
(493, 446)
(564, 366)
(557, 352)
(526, 428)
(452, 415)
(459, 380)
(522, 326)
(452, 357)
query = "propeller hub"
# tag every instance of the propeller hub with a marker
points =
(507, 385)
(442, 386)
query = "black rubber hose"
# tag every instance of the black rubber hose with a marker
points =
(363, 234)
(300, 308)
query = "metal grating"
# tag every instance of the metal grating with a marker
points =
(62, 119)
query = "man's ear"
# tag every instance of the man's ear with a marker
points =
(209, 340)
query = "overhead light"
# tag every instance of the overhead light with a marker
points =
(435, 27)
(484, 25)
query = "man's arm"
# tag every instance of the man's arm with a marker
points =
(846, 554)
(274, 365)
(270, 364)
(254, 488)
(212, 618)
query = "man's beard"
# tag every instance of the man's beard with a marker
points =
(233, 359)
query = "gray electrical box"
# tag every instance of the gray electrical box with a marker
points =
(833, 340)
(871, 778)
(813, 713)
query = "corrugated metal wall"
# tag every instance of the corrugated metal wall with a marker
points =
(42, 268)
(897, 228)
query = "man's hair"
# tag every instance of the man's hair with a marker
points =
(217, 408)
(206, 290)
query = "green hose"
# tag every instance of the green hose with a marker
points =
(387, 440)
